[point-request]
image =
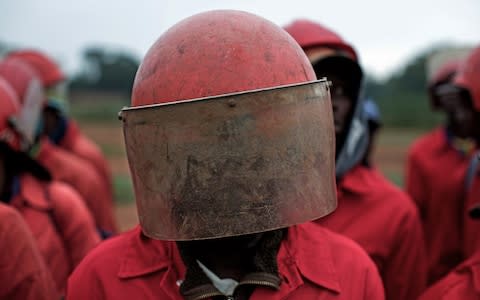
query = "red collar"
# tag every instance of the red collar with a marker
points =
(305, 253)
(32, 192)
(472, 265)
(360, 180)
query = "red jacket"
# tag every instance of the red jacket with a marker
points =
(70, 169)
(60, 223)
(22, 270)
(79, 144)
(471, 227)
(462, 283)
(382, 219)
(435, 181)
(313, 263)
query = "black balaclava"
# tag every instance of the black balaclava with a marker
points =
(353, 143)
(258, 252)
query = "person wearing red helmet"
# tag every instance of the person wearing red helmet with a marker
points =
(22, 269)
(436, 167)
(61, 129)
(230, 146)
(61, 225)
(464, 281)
(371, 211)
(468, 84)
(61, 164)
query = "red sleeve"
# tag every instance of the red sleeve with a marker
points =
(471, 227)
(84, 284)
(96, 276)
(87, 149)
(99, 200)
(373, 285)
(76, 224)
(22, 270)
(406, 272)
(433, 293)
(455, 286)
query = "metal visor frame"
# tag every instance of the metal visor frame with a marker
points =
(232, 164)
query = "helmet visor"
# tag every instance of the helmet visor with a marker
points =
(233, 164)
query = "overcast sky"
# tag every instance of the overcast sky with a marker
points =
(386, 33)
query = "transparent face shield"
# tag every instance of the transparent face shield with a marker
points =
(233, 164)
(30, 113)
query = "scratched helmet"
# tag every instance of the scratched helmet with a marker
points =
(229, 132)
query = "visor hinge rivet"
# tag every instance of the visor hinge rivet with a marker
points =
(232, 103)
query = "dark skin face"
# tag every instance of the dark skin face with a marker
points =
(462, 119)
(342, 106)
(50, 121)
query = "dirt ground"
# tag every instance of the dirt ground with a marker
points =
(390, 154)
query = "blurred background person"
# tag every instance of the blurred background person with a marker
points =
(61, 128)
(436, 167)
(468, 84)
(463, 281)
(371, 210)
(58, 219)
(61, 164)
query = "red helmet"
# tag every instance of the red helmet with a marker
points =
(47, 69)
(468, 76)
(187, 62)
(8, 112)
(19, 75)
(229, 132)
(445, 72)
(28, 87)
(309, 35)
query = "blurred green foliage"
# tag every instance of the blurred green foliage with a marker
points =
(123, 189)
(98, 110)
(106, 70)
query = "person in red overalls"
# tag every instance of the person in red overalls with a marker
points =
(22, 269)
(61, 129)
(230, 144)
(61, 225)
(435, 173)
(371, 210)
(464, 281)
(62, 165)
(468, 98)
